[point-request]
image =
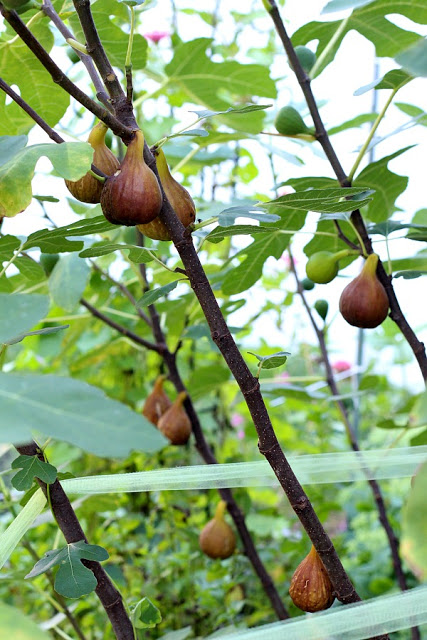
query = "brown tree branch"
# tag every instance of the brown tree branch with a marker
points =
(61, 79)
(202, 446)
(356, 217)
(57, 596)
(70, 526)
(125, 292)
(376, 491)
(39, 120)
(124, 331)
(122, 107)
(208, 456)
(48, 8)
(26, 107)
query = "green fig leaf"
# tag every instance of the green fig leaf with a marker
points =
(72, 579)
(146, 615)
(70, 159)
(73, 411)
(154, 294)
(26, 311)
(31, 468)
(414, 59)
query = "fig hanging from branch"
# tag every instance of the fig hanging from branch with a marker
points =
(364, 302)
(157, 403)
(310, 589)
(217, 539)
(132, 195)
(89, 189)
(177, 195)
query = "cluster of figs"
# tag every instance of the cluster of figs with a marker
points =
(131, 194)
(310, 588)
(217, 539)
(364, 302)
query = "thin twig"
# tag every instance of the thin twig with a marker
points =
(124, 331)
(101, 94)
(122, 108)
(71, 528)
(33, 114)
(39, 120)
(123, 288)
(61, 79)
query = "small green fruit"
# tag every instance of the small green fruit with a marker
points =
(20, 6)
(322, 267)
(289, 122)
(48, 261)
(307, 284)
(72, 55)
(322, 307)
(306, 57)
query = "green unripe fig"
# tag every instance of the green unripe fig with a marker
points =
(307, 284)
(48, 261)
(322, 307)
(72, 55)
(20, 6)
(306, 57)
(288, 122)
(322, 267)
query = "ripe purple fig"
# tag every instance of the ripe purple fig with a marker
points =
(310, 589)
(217, 539)
(364, 302)
(177, 195)
(88, 188)
(132, 195)
(157, 403)
(174, 423)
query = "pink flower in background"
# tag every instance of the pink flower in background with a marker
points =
(283, 191)
(240, 434)
(283, 377)
(156, 36)
(286, 259)
(236, 420)
(341, 365)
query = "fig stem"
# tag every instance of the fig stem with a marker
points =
(344, 254)
(96, 176)
(373, 129)
(359, 237)
(128, 61)
(29, 24)
(220, 510)
(329, 47)
(78, 46)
